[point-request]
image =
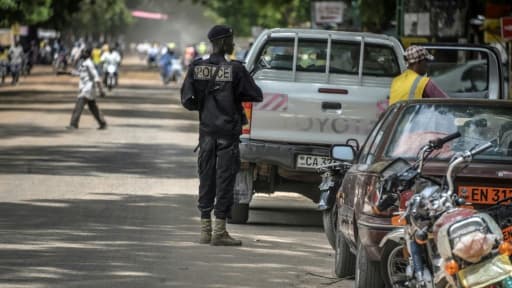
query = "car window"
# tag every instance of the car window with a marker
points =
(477, 124)
(345, 57)
(368, 151)
(462, 74)
(380, 60)
(312, 55)
(278, 54)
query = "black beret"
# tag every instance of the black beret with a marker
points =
(220, 31)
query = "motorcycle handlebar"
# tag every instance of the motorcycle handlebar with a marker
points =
(481, 148)
(439, 142)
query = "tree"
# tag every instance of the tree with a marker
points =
(24, 11)
(97, 18)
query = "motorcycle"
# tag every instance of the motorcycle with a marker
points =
(332, 174)
(171, 71)
(111, 76)
(60, 63)
(447, 244)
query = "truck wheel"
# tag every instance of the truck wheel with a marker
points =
(368, 272)
(344, 260)
(239, 213)
(329, 220)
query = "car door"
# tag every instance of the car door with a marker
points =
(467, 71)
(352, 192)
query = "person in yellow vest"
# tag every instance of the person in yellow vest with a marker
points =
(96, 58)
(412, 83)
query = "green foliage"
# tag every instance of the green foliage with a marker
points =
(24, 11)
(376, 14)
(101, 17)
(242, 15)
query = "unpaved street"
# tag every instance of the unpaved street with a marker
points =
(117, 208)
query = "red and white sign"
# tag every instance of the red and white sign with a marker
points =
(149, 15)
(506, 28)
(272, 102)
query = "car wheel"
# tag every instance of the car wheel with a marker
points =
(394, 265)
(344, 260)
(368, 272)
(239, 213)
(329, 220)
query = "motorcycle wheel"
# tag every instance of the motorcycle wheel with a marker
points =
(344, 260)
(394, 265)
(368, 273)
(329, 217)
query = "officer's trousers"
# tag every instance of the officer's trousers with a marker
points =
(79, 107)
(218, 163)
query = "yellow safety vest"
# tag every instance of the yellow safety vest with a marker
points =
(406, 86)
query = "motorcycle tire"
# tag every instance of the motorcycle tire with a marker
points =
(368, 273)
(239, 213)
(329, 217)
(344, 260)
(393, 266)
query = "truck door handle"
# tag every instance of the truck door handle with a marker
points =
(331, 105)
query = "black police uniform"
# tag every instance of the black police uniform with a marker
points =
(216, 88)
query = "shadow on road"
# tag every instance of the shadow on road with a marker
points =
(136, 241)
(145, 160)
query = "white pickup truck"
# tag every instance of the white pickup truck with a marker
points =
(319, 89)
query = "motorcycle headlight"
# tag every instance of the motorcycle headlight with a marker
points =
(469, 238)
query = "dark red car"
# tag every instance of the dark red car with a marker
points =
(400, 132)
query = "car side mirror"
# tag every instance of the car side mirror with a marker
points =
(343, 152)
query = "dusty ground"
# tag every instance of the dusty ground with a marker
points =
(116, 208)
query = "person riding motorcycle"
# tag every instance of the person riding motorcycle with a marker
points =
(108, 58)
(170, 66)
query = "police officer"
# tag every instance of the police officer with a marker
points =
(216, 88)
(412, 83)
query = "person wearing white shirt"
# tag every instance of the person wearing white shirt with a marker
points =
(89, 81)
(111, 57)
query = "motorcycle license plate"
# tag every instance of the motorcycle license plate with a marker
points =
(484, 195)
(312, 161)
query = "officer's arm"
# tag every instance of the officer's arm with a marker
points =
(247, 89)
(188, 100)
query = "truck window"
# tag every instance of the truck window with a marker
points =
(278, 54)
(462, 74)
(378, 60)
(312, 55)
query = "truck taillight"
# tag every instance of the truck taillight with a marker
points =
(246, 129)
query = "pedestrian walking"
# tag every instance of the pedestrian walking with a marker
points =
(412, 83)
(216, 88)
(89, 81)
(16, 59)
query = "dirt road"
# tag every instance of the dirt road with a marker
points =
(116, 208)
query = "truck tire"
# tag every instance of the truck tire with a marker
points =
(239, 213)
(368, 273)
(329, 221)
(344, 260)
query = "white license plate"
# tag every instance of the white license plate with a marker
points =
(312, 161)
